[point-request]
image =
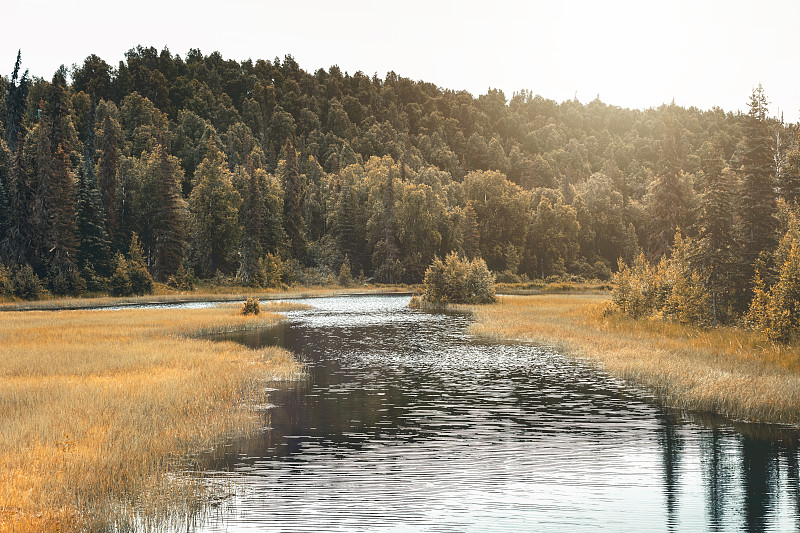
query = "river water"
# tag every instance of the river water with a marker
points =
(406, 423)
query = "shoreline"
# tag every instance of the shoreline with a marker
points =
(724, 371)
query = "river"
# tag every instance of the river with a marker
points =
(407, 423)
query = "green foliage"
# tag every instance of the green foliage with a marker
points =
(345, 275)
(131, 276)
(182, 279)
(251, 307)
(458, 280)
(26, 284)
(6, 281)
(775, 310)
(120, 282)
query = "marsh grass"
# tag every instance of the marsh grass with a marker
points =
(101, 412)
(729, 371)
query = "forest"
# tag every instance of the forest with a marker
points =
(172, 168)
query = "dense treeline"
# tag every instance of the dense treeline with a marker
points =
(262, 172)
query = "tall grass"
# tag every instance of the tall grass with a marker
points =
(728, 371)
(99, 410)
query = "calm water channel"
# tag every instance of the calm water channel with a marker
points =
(406, 423)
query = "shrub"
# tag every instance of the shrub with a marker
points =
(272, 270)
(120, 282)
(26, 284)
(182, 280)
(457, 280)
(66, 282)
(345, 275)
(6, 281)
(141, 281)
(251, 307)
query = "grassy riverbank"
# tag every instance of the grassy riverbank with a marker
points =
(729, 371)
(99, 409)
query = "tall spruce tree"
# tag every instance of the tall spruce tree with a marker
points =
(716, 231)
(757, 196)
(169, 226)
(62, 228)
(293, 198)
(108, 163)
(252, 220)
(214, 207)
(93, 250)
(16, 102)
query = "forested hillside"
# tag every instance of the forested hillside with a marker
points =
(264, 172)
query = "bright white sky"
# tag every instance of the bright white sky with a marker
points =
(631, 53)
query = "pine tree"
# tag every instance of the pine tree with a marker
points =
(5, 201)
(669, 198)
(16, 102)
(716, 236)
(214, 207)
(93, 249)
(108, 164)
(171, 214)
(20, 246)
(789, 179)
(252, 220)
(757, 198)
(61, 238)
(294, 195)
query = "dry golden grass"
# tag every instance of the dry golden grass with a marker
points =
(100, 409)
(729, 371)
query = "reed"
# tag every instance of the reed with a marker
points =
(728, 371)
(102, 411)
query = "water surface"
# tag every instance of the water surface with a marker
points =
(406, 423)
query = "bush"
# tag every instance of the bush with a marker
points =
(272, 270)
(141, 281)
(94, 282)
(507, 276)
(66, 282)
(182, 280)
(26, 284)
(120, 282)
(345, 275)
(6, 281)
(251, 307)
(457, 280)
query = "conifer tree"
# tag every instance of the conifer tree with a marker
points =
(214, 206)
(716, 235)
(5, 201)
(108, 163)
(61, 238)
(20, 246)
(789, 179)
(93, 249)
(757, 198)
(252, 219)
(294, 195)
(169, 226)
(16, 102)
(669, 197)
